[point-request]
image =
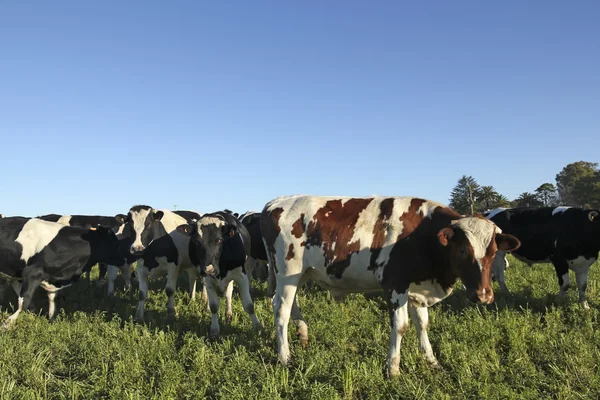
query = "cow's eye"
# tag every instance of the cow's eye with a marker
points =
(219, 241)
(462, 252)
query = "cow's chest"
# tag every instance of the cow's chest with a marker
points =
(426, 294)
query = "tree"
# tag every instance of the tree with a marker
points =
(488, 197)
(546, 193)
(502, 201)
(527, 199)
(587, 191)
(576, 183)
(464, 195)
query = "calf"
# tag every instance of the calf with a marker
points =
(568, 237)
(160, 250)
(219, 245)
(88, 221)
(42, 253)
(413, 249)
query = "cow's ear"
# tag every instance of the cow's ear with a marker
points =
(593, 215)
(229, 230)
(445, 235)
(121, 218)
(185, 229)
(157, 215)
(507, 242)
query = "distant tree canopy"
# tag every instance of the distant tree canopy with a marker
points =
(577, 184)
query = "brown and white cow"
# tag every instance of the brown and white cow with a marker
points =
(413, 249)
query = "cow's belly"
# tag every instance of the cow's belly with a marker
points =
(352, 280)
(426, 294)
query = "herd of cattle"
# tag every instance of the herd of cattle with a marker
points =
(409, 249)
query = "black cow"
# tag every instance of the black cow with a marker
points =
(257, 261)
(88, 221)
(568, 237)
(219, 246)
(35, 252)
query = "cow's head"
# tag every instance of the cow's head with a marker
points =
(470, 245)
(140, 223)
(207, 236)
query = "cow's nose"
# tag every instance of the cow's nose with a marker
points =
(137, 249)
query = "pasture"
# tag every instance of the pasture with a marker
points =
(523, 347)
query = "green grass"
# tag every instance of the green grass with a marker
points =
(523, 347)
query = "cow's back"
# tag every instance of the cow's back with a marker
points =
(349, 239)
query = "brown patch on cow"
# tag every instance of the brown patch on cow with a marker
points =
(299, 227)
(332, 228)
(411, 218)
(290, 253)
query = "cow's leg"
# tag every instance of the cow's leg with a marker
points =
(28, 288)
(499, 266)
(102, 270)
(51, 306)
(244, 286)
(16, 285)
(562, 273)
(581, 275)
(213, 302)
(283, 302)
(112, 276)
(271, 281)
(192, 275)
(398, 308)
(126, 270)
(228, 298)
(420, 317)
(142, 272)
(172, 271)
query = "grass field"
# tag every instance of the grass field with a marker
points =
(523, 347)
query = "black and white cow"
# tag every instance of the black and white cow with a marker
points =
(160, 250)
(567, 237)
(34, 252)
(257, 261)
(219, 246)
(116, 224)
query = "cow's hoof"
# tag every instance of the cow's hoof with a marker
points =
(228, 317)
(214, 334)
(584, 304)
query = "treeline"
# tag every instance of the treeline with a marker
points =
(577, 185)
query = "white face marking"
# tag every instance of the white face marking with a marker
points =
(139, 220)
(64, 220)
(35, 235)
(560, 209)
(479, 232)
(495, 212)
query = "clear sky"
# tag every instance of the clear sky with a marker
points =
(212, 105)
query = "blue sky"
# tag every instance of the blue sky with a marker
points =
(209, 105)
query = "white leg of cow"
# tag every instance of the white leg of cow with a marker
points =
(283, 302)
(204, 294)
(172, 271)
(398, 303)
(192, 275)
(244, 286)
(581, 277)
(142, 272)
(499, 266)
(228, 299)
(16, 285)
(51, 305)
(111, 277)
(214, 302)
(298, 318)
(420, 317)
(249, 267)
(8, 322)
